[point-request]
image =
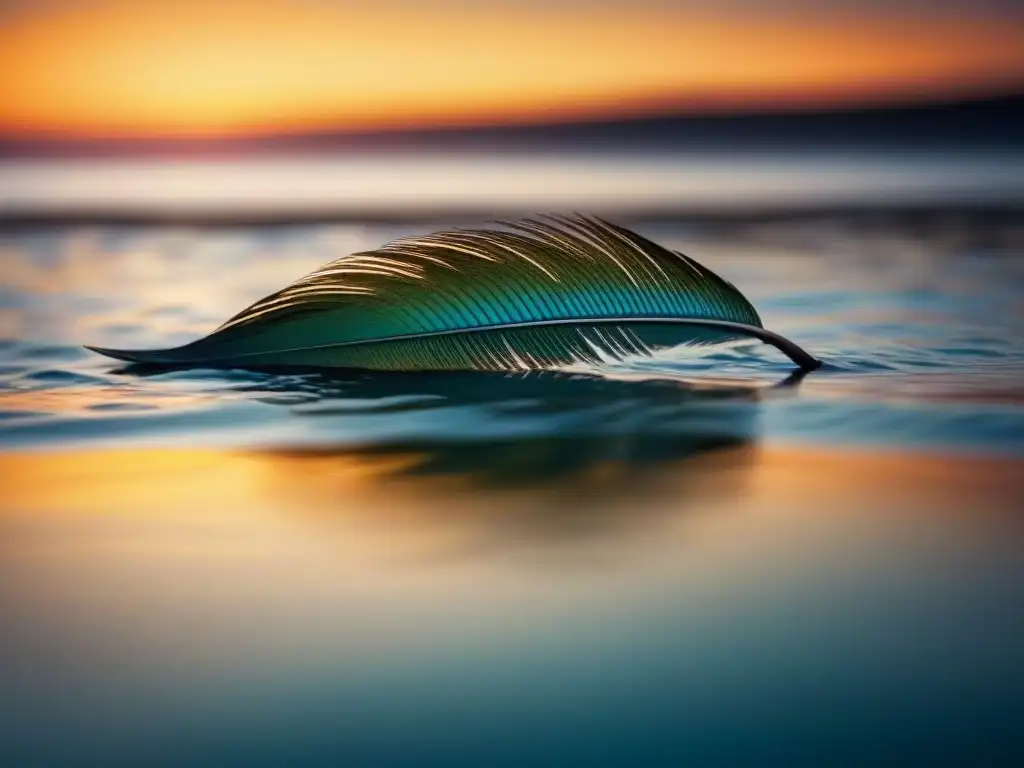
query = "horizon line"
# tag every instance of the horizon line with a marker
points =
(708, 113)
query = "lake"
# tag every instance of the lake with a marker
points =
(694, 559)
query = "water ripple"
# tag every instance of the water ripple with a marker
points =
(924, 346)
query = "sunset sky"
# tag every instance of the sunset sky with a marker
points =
(73, 69)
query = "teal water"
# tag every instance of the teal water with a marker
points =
(920, 325)
(695, 559)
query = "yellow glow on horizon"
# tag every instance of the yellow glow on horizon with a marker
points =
(227, 67)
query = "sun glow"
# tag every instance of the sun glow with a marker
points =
(227, 67)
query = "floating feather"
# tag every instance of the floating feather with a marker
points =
(522, 295)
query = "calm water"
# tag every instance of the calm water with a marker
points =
(920, 324)
(690, 559)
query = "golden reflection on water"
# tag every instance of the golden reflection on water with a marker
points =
(371, 503)
(82, 400)
(203, 561)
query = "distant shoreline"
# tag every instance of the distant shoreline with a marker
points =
(984, 122)
(712, 214)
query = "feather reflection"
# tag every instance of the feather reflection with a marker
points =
(587, 452)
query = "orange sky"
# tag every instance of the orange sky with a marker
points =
(229, 67)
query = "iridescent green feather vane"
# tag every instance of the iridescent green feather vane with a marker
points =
(519, 295)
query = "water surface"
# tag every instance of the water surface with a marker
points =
(691, 559)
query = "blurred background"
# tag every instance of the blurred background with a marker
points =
(328, 107)
(695, 559)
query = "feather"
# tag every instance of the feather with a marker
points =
(519, 295)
